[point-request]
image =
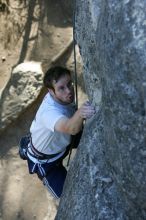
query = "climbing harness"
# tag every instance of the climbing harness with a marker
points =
(23, 146)
(26, 148)
(75, 76)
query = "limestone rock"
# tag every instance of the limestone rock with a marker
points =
(107, 180)
(22, 89)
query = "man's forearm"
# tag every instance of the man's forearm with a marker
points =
(74, 124)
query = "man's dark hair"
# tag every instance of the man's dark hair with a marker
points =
(54, 73)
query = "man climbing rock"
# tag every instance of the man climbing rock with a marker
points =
(55, 123)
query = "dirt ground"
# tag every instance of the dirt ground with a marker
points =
(22, 196)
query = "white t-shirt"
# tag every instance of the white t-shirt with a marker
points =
(44, 138)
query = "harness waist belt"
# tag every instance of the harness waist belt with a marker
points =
(41, 156)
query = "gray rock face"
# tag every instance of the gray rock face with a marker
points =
(22, 89)
(107, 178)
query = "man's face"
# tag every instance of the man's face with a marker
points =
(64, 91)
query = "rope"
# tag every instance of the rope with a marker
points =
(75, 67)
(75, 74)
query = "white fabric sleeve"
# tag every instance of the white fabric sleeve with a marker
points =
(50, 118)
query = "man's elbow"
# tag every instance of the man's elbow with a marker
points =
(74, 131)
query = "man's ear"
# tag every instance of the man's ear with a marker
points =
(51, 91)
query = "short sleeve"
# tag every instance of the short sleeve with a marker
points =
(50, 118)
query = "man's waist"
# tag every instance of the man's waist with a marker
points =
(41, 155)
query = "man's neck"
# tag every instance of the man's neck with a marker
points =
(59, 101)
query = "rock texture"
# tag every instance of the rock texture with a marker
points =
(107, 178)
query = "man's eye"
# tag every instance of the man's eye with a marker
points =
(61, 88)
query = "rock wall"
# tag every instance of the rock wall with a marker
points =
(107, 178)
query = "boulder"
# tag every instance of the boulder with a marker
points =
(22, 89)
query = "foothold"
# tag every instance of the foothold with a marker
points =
(106, 179)
(3, 59)
(143, 153)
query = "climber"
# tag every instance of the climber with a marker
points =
(56, 121)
